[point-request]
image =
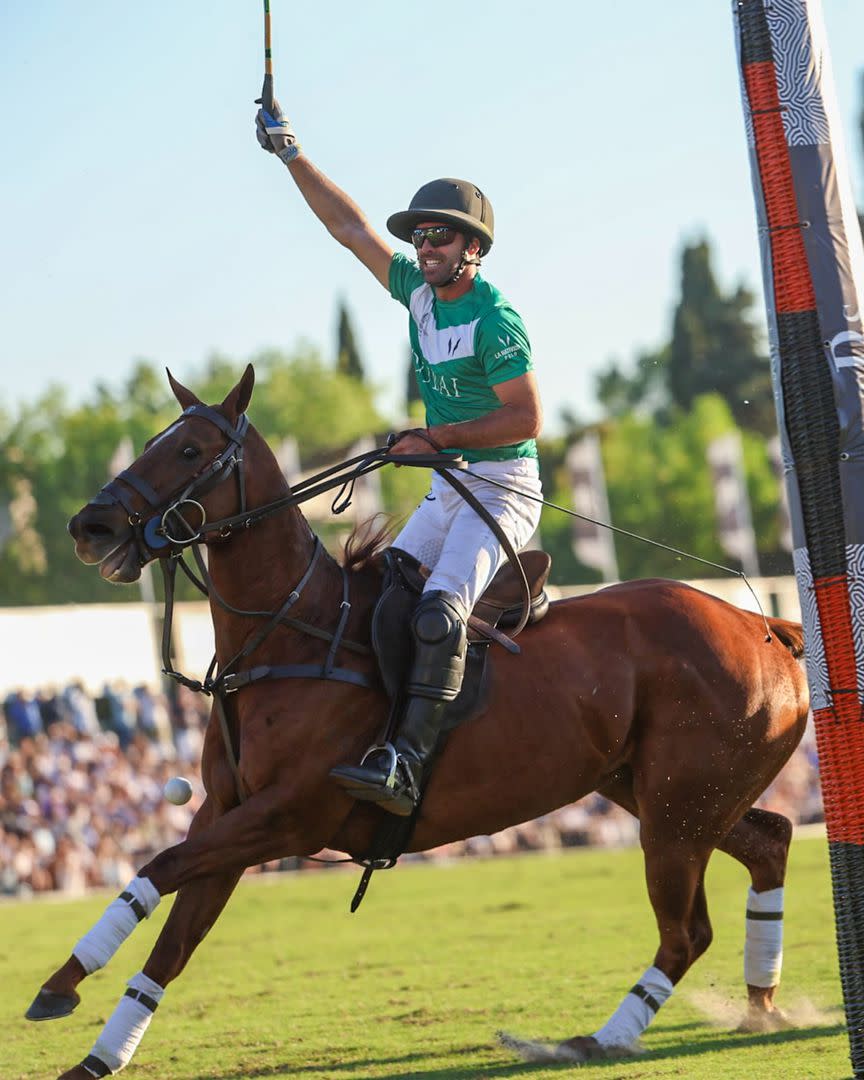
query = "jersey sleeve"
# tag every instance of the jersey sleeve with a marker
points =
(502, 346)
(405, 277)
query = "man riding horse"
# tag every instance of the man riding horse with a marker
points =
(474, 370)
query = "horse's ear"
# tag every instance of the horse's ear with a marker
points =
(238, 400)
(183, 395)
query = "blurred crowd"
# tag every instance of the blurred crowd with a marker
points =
(81, 780)
(81, 802)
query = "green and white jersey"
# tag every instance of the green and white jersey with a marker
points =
(462, 348)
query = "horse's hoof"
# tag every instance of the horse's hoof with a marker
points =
(50, 1006)
(585, 1048)
(576, 1051)
(763, 1021)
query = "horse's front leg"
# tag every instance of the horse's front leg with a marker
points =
(195, 910)
(271, 824)
(263, 827)
(58, 995)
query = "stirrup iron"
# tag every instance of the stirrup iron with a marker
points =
(390, 750)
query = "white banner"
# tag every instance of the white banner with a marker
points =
(732, 502)
(593, 545)
(775, 456)
(122, 457)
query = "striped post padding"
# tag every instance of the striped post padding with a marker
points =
(813, 271)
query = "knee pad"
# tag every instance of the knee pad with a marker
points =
(437, 618)
(438, 629)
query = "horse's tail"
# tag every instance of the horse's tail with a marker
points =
(790, 633)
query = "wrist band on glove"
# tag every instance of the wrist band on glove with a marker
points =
(289, 152)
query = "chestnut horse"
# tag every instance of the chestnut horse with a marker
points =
(668, 701)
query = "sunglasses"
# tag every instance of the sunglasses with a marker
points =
(437, 235)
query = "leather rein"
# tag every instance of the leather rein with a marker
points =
(165, 525)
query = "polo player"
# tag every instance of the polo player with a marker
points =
(472, 360)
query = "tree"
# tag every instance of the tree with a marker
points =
(323, 409)
(348, 360)
(660, 486)
(55, 456)
(644, 390)
(715, 347)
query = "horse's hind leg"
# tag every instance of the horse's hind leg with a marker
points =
(760, 841)
(675, 871)
(195, 910)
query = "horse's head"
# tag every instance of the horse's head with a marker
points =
(160, 503)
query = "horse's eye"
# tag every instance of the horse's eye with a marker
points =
(191, 451)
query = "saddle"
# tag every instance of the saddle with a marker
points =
(500, 607)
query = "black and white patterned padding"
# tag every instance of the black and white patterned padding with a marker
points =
(817, 667)
(797, 41)
(855, 561)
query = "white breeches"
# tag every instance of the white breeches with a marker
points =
(446, 535)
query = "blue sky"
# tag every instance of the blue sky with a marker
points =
(142, 220)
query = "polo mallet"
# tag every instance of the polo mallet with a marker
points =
(267, 89)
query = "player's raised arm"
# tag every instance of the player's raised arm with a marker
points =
(342, 217)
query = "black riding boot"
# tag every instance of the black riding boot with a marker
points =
(393, 779)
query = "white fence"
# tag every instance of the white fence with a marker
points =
(95, 643)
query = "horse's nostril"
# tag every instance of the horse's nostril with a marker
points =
(83, 528)
(96, 531)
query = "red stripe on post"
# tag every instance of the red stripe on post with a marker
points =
(838, 639)
(793, 286)
(839, 728)
(841, 745)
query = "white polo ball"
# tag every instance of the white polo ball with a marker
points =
(177, 790)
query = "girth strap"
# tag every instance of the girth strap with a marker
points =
(232, 683)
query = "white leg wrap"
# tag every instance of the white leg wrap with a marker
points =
(763, 941)
(126, 1025)
(636, 1011)
(138, 901)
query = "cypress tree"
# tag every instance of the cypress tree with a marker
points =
(348, 361)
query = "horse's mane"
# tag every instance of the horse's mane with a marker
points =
(366, 542)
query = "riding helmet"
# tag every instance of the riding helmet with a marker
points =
(454, 202)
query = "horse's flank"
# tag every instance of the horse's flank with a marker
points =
(624, 677)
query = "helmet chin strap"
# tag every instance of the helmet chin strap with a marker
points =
(465, 260)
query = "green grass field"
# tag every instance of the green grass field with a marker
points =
(435, 962)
